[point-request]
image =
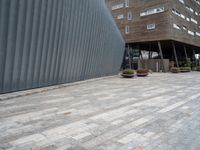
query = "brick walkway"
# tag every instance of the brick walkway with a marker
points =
(160, 112)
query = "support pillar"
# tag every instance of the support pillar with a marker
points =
(176, 58)
(161, 55)
(149, 57)
(129, 56)
(150, 51)
(193, 53)
(141, 56)
(186, 55)
(194, 56)
(172, 55)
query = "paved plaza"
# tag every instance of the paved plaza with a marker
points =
(159, 112)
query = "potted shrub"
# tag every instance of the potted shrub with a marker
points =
(198, 68)
(185, 69)
(142, 72)
(175, 70)
(194, 69)
(128, 73)
(193, 66)
(188, 63)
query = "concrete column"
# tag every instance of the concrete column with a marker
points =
(161, 54)
(186, 55)
(129, 56)
(176, 58)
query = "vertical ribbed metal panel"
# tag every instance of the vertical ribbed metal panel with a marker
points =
(48, 42)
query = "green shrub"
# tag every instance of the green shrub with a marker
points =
(128, 71)
(185, 68)
(142, 71)
(175, 69)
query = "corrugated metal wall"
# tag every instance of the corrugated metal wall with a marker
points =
(48, 42)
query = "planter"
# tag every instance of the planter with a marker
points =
(127, 75)
(194, 69)
(175, 70)
(185, 69)
(142, 74)
(198, 69)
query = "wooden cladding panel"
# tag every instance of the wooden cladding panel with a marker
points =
(181, 35)
(163, 21)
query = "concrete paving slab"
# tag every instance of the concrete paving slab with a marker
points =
(160, 112)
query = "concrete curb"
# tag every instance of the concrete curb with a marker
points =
(8, 96)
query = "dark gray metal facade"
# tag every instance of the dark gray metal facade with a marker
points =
(49, 42)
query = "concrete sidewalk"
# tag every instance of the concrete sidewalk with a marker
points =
(160, 112)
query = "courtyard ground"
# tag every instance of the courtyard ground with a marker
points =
(160, 112)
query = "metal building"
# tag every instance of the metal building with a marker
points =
(49, 42)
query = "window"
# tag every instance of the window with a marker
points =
(178, 13)
(184, 28)
(182, 1)
(182, 16)
(127, 30)
(198, 34)
(188, 19)
(188, 8)
(126, 3)
(118, 6)
(130, 16)
(198, 2)
(190, 32)
(151, 26)
(192, 10)
(176, 26)
(120, 16)
(194, 21)
(152, 11)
